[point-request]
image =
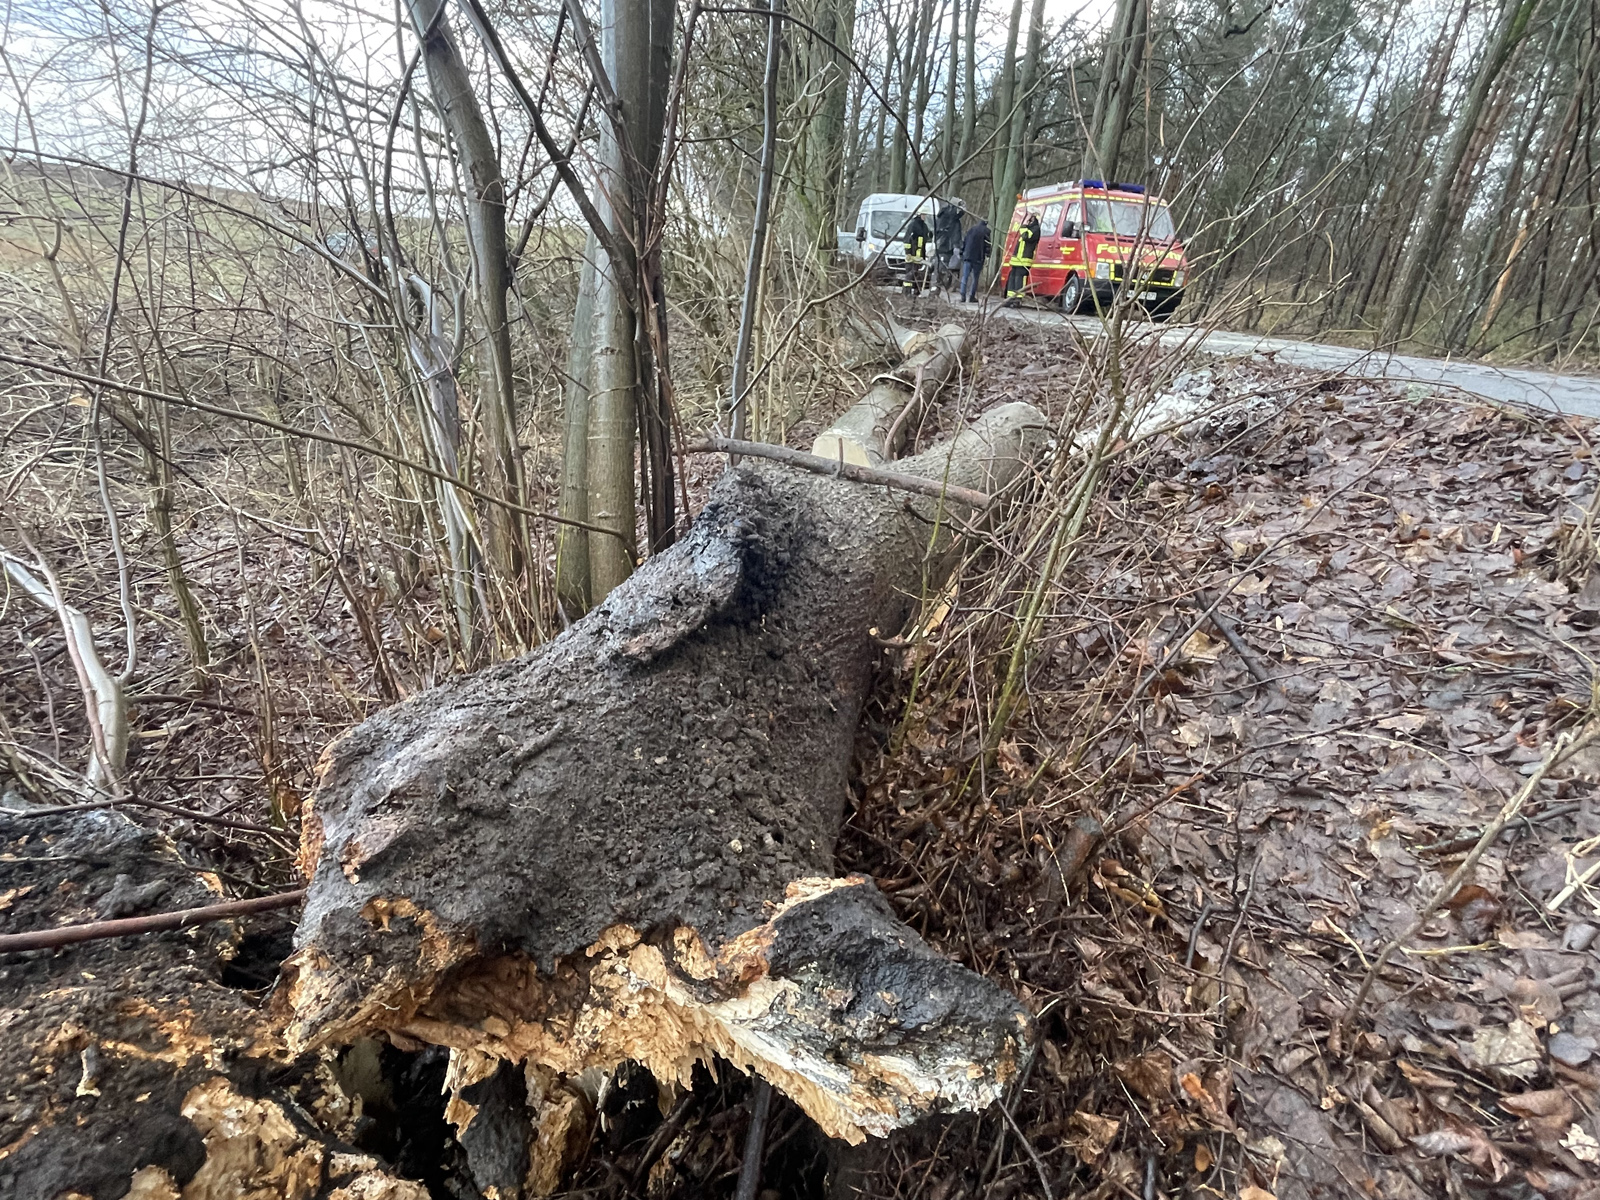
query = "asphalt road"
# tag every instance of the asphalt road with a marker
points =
(1577, 394)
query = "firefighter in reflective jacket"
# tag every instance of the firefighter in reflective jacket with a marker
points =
(917, 235)
(1022, 259)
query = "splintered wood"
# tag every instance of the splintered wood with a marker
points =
(833, 1001)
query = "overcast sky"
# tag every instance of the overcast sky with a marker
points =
(77, 92)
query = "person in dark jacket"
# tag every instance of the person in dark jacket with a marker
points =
(917, 237)
(946, 239)
(1022, 258)
(974, 253)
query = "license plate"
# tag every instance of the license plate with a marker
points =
(1147, 295)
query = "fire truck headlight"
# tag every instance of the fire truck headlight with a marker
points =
(1102, 269)
(1178, 278)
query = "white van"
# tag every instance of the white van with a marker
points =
(881, 223)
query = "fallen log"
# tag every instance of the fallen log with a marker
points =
(839, 469)
(872, 431)
(620, 846)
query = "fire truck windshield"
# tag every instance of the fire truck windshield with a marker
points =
(1124, 217)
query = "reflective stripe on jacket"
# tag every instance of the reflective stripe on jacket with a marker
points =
(1027, 242)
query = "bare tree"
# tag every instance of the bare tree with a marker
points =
(1119, 77)
(1510, 27)
(474, 147)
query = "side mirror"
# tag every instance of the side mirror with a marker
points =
(861, 234)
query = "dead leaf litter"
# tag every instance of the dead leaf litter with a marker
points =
(1310, 645)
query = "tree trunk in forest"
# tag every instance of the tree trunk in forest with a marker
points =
(157, 420)
(855, 141)
(880, 125)
(825, 152)
(474, 148)
(1398, 315)
(900, 64)
(969, 111)
(429, 352)
(636, 823)
(1396, 205)
(737, 401)
(1016, 151)
(1558, 159)
(921, 71)
(1119, 77)
(1005, 95)
(572, 544)
(633, 41)
(947, 142)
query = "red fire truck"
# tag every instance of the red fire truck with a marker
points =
(1094, 239)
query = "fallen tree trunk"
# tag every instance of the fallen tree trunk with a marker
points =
(854, 472)
(620, 847)
(873, 430)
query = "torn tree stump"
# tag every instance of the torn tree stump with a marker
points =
(620, 847)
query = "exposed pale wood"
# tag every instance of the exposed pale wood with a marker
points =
(854, 472)
(874, 429)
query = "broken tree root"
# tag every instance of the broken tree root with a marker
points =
(620, 847)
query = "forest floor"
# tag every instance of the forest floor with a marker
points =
(1314, 639)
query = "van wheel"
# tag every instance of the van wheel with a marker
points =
(1072, 295)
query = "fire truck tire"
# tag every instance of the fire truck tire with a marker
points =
(1072, 295)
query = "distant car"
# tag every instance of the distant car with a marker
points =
(880, 225)
(1096, 238)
